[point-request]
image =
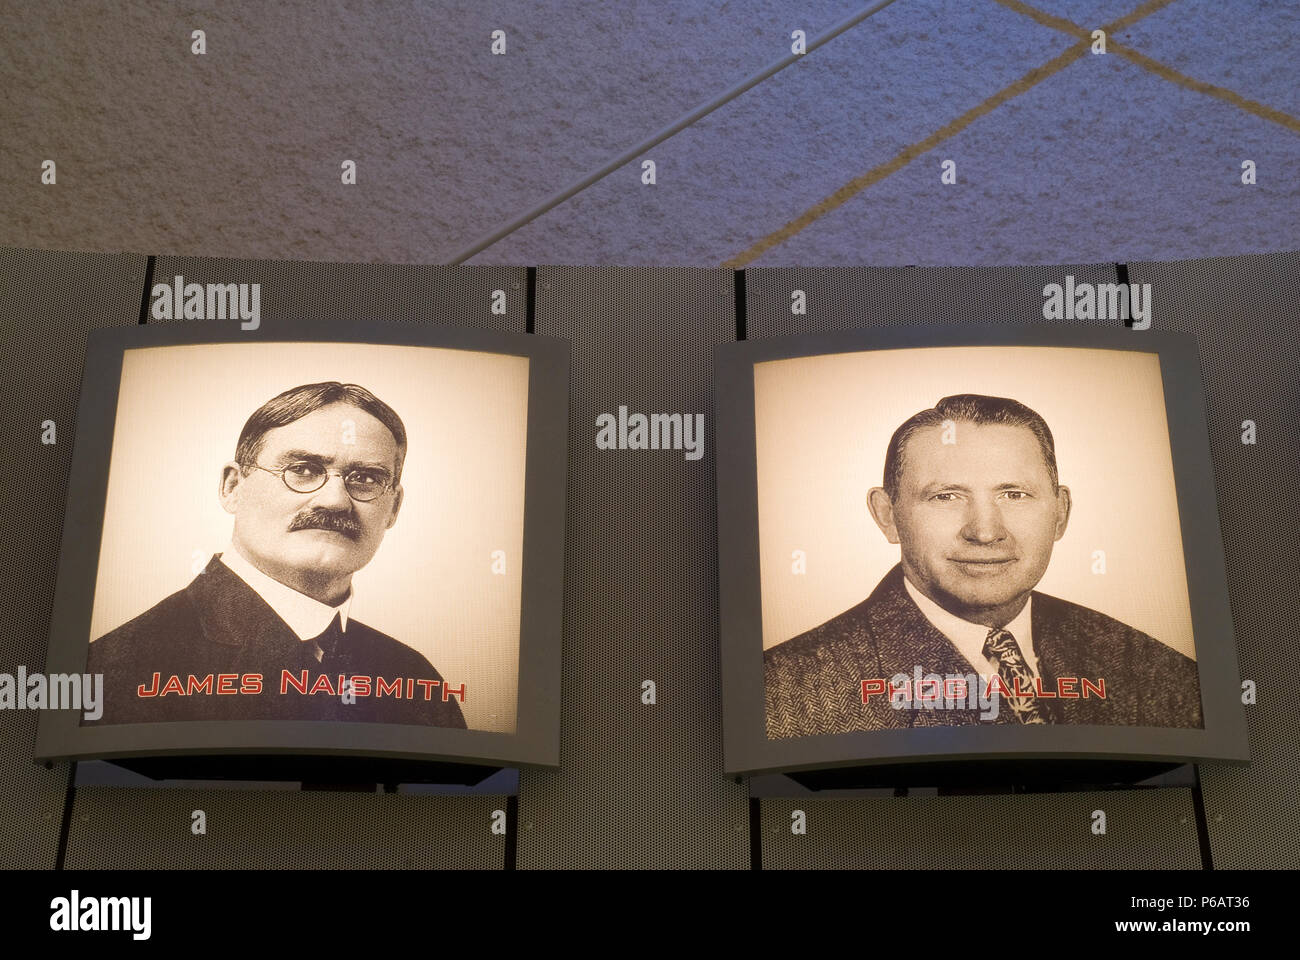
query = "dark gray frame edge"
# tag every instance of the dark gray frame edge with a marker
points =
(537, 732)
(746, 748)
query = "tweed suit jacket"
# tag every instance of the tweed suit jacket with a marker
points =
(221, 625)
(813, 681)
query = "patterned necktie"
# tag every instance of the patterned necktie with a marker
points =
(1001, 646)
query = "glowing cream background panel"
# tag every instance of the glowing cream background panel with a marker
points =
(430, 585)
(823, 424)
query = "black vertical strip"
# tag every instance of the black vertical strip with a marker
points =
(741, 318)
(530, 299)
(1122, 270)
(69, 798)
(1202, 824)
(755, 804)
(144, 294)
(512, 802)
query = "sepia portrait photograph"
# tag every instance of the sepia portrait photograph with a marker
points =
(313, 531)
(970, 535)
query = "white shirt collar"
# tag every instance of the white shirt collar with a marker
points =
(969, 637)
(306, 617)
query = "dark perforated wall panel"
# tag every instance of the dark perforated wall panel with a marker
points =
(120, 829)
(840, 299)
(843, 298)
(48, 300)
(327, 828)
(639, 786)
(1145, 830)
(450, 296)
(1243, 312)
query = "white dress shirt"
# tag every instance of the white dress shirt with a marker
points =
(306, 617)
(969, 637)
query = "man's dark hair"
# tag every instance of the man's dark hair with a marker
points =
(968, 408)
(296, 403)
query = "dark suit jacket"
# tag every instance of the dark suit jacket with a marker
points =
(813, 682)
(220, 625)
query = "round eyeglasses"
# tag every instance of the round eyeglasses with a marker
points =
(303, 476)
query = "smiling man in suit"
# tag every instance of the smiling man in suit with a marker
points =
(264, 631)
(971, 495)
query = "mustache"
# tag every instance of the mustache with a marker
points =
(318, 519)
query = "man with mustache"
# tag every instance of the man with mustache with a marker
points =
(972, 497)
(314, 484)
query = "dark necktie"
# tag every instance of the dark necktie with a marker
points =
(1001, 647)
(331, 642)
